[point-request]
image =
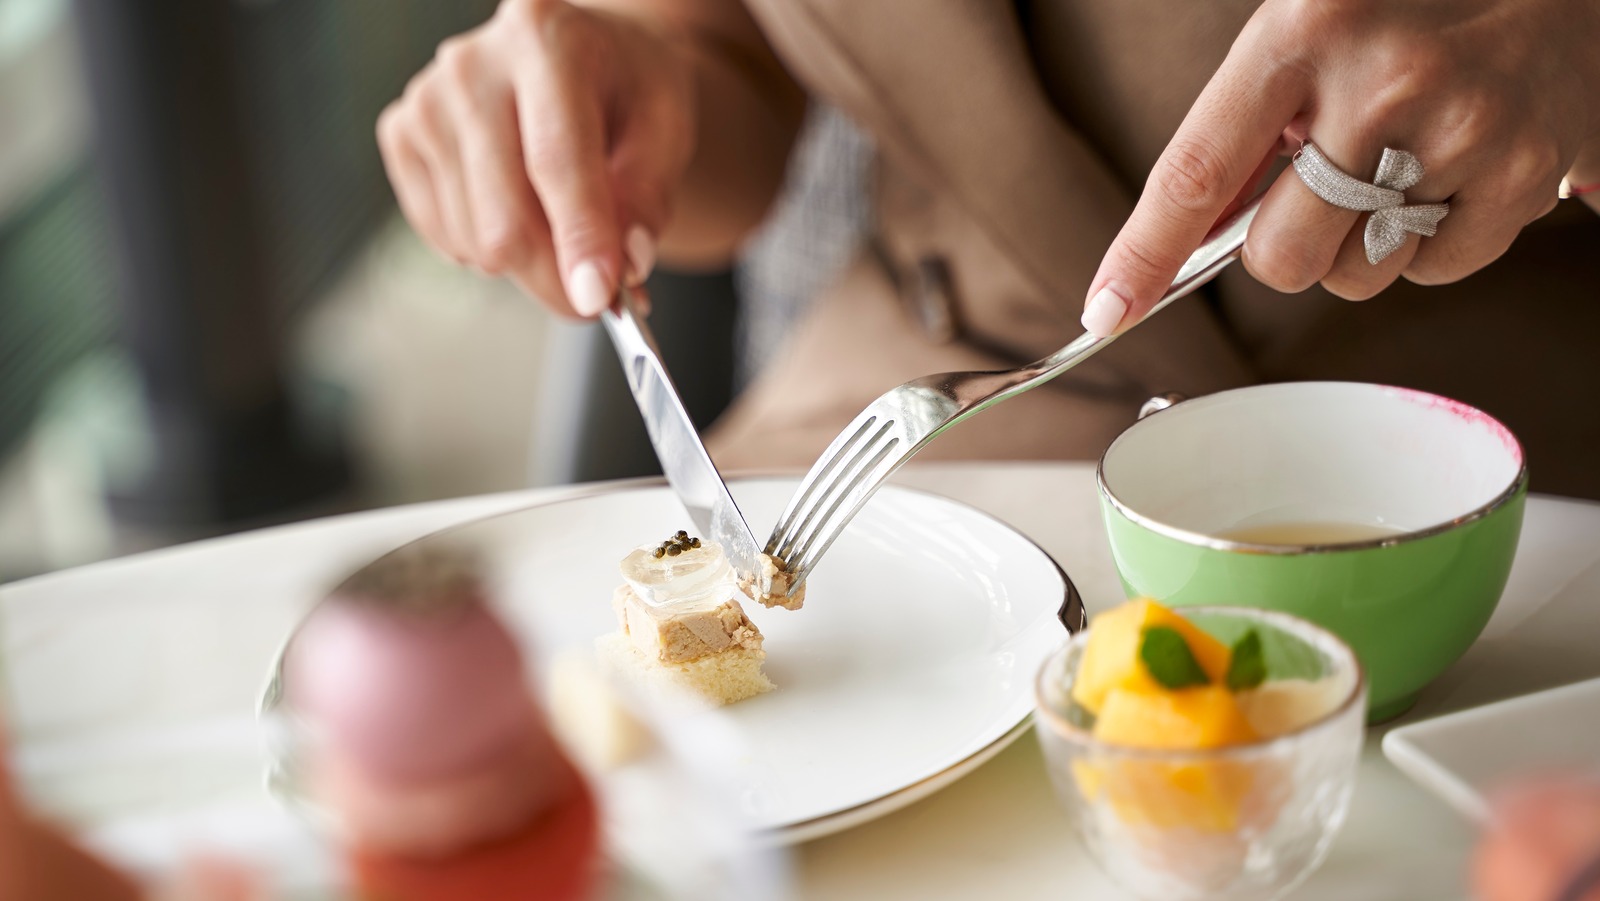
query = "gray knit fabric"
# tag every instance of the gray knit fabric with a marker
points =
(814, 229)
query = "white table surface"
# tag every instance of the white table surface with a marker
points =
(162, 656)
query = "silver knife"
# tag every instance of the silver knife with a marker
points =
(688, 467)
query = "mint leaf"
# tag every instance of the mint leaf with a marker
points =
(1247, 666)
(1168, 658)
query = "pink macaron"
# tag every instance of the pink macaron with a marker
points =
(407, 694)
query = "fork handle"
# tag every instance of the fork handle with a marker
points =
(1220, 247)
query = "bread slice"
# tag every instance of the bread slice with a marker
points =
(716, 679)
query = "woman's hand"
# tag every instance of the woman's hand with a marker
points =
(546, 145)
(1498, 99)
(1543, 842)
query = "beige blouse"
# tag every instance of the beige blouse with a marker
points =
(1012, 141)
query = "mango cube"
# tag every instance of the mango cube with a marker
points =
(1111, 658)
(1207, 796)
(1188, 719)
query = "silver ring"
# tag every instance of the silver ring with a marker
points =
(1391, 216)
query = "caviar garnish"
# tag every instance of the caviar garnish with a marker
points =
(677, 544)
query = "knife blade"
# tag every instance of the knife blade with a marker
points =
(683, 456)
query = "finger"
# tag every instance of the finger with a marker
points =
(435, 138)
(500, 202)
(564, 152)
(541, 281)
(1487, 210)
(1297, 235)
(1352, 277)
(505, 213)
(413, 185)
(642, 206)
(1472, 235)
(1237, 120)
(538, 276)
(639, 250)
(1253, 185)
(651, 149)
(535, 273)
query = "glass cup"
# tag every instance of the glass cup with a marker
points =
(1245, 821)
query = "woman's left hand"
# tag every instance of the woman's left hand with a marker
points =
(1498, 99)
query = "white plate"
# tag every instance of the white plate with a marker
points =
(1464, 756)
(911, 663)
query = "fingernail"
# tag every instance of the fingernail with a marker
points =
(1104, 313)
(588, 289)
(641, 249)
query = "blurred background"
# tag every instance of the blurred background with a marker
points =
(212, 317)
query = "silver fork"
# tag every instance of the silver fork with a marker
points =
(901, 422)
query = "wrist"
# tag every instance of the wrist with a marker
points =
(1583, 179)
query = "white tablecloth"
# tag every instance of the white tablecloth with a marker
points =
(132, 684)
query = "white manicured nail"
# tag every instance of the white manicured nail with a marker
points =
(641, 255)
(589, 292)
(1104, 313)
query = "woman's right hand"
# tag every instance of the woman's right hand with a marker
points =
(546, 146)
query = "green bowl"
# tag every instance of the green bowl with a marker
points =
(1386, 515)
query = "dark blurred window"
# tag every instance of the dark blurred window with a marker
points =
(311, 78)
(234, 173)
(55, 276)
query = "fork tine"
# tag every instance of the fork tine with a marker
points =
(830, 460)
(865, 483)
(847, 476)
(842, 475)
(820, 480)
